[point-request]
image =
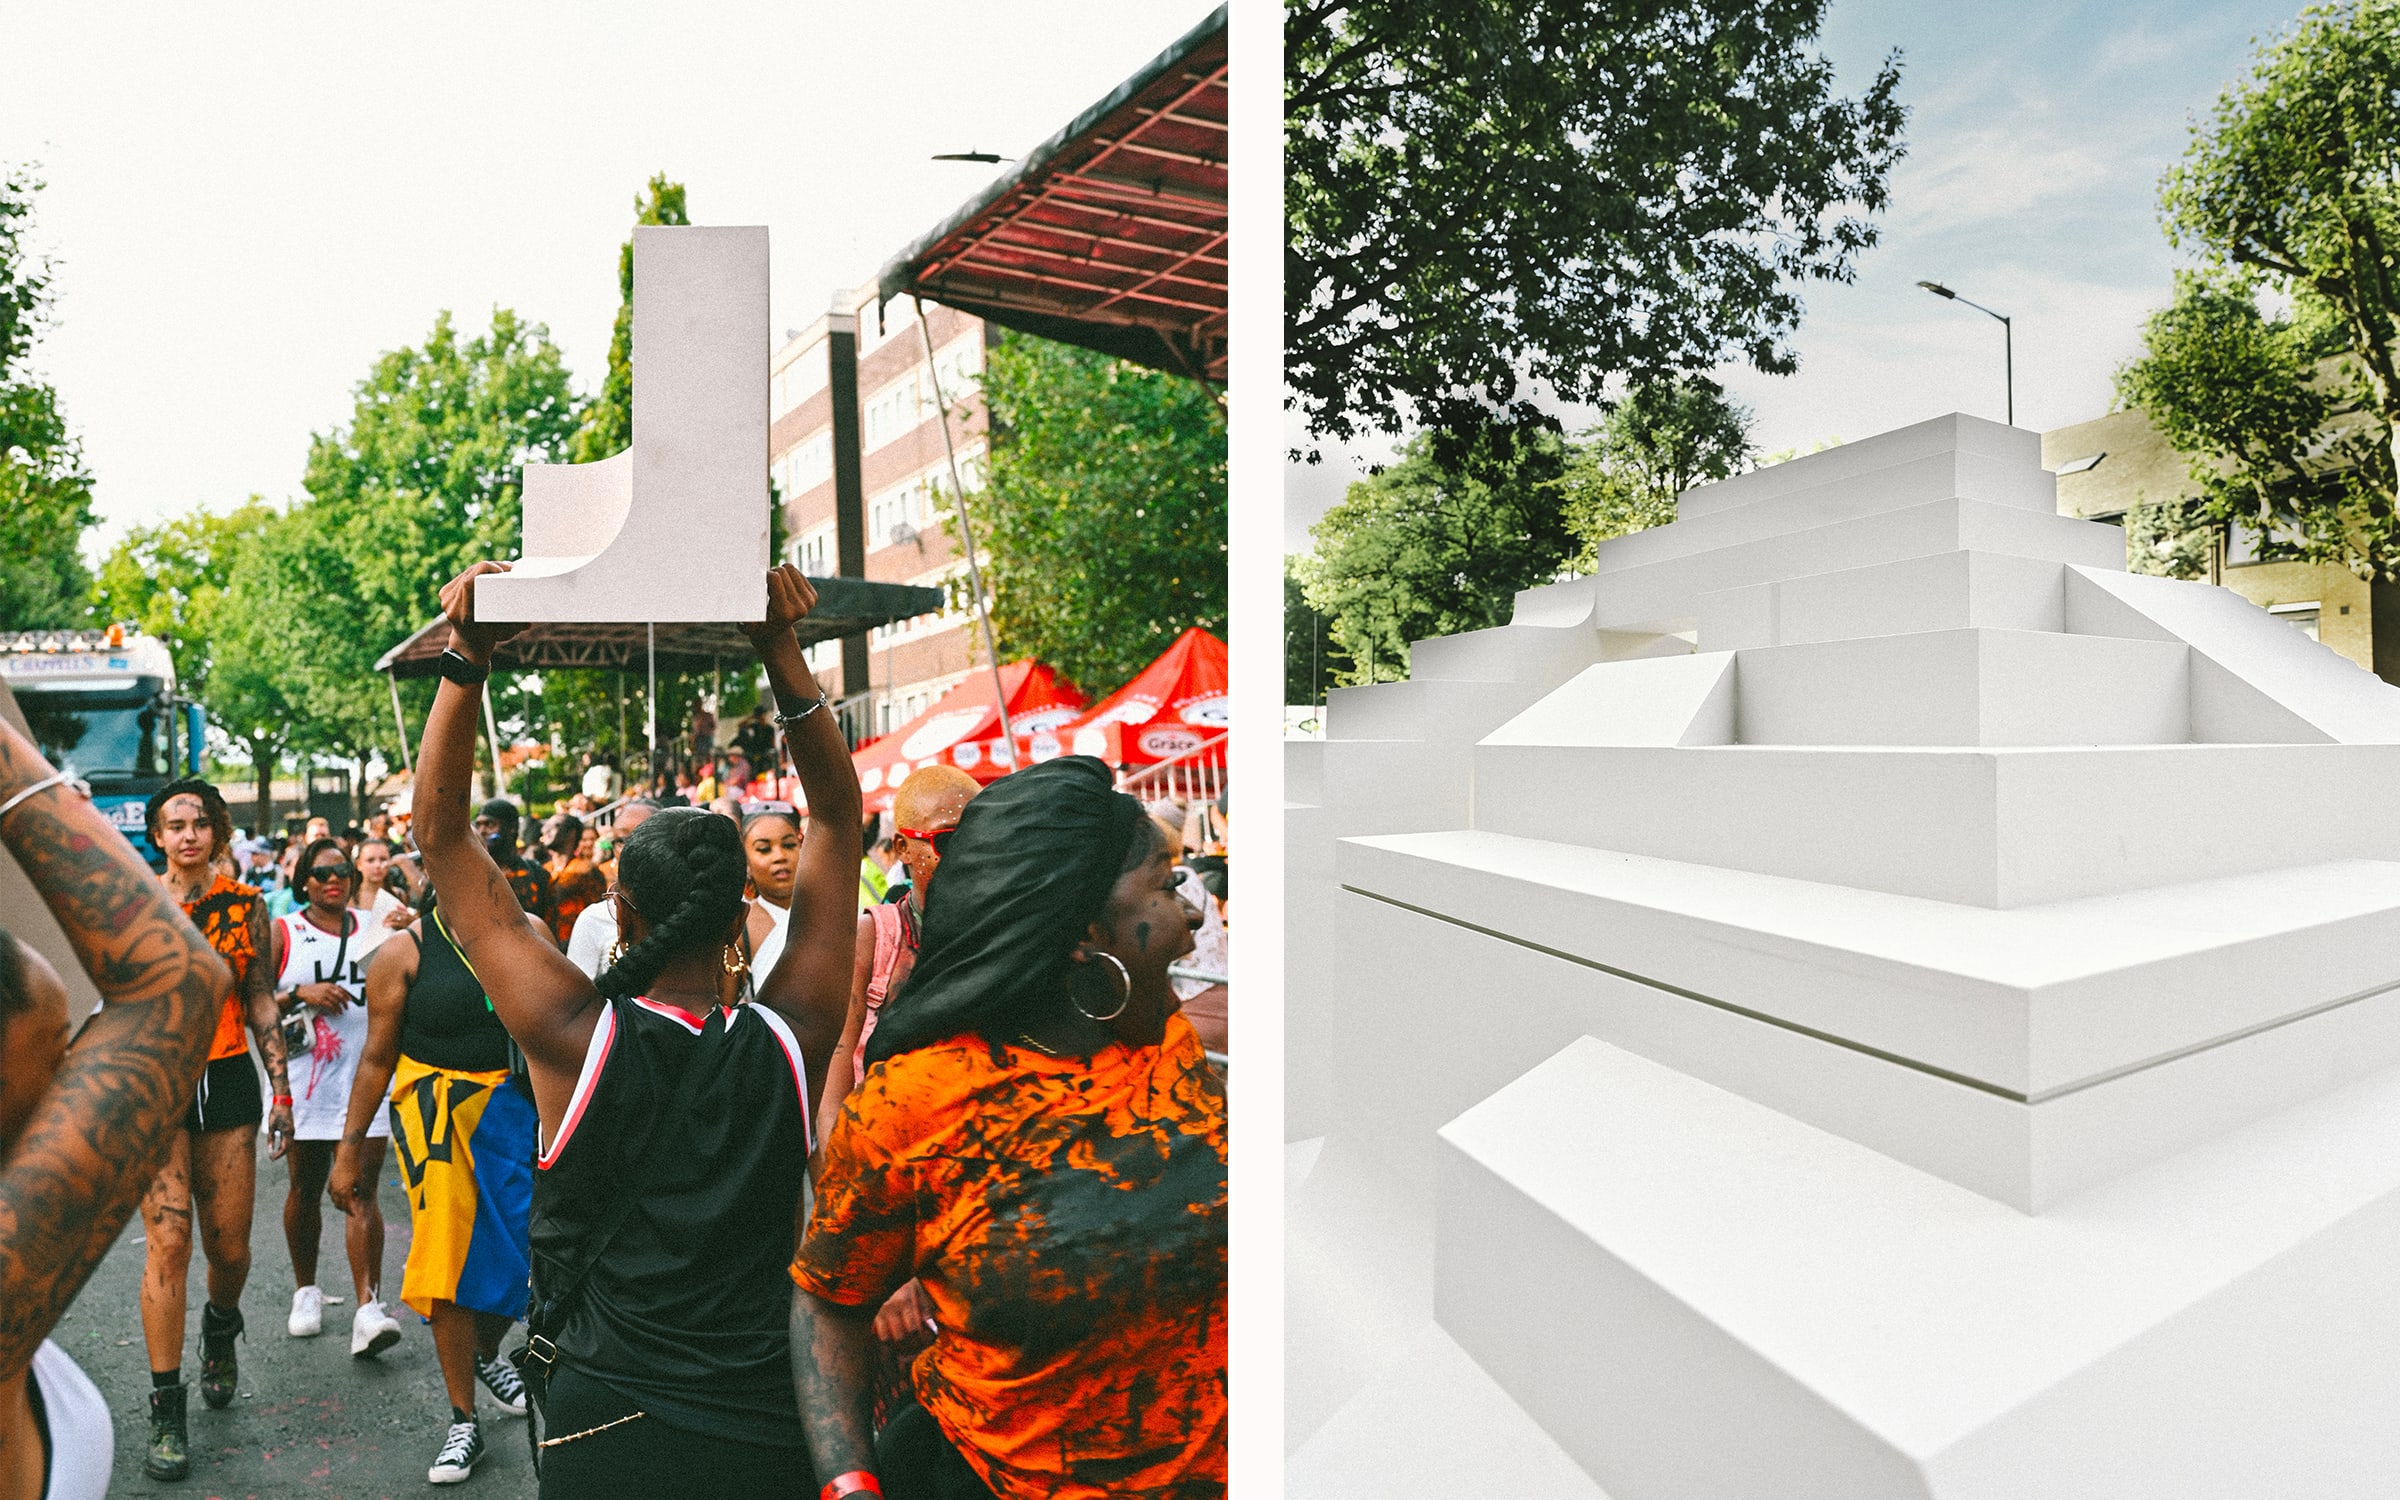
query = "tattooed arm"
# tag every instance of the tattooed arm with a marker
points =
(833, 1366)
(266, 1024)
(99, 1134)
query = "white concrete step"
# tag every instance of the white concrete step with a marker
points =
(1935, 476)
(1673, 700)
(1986, 826)
(1956, 432)
(1665, 595)
(1945, 591)
(1965, 687)
(2024, 1055)
(1440, 710)
(1544, 655)
(1702, 1299)
(2302, 680)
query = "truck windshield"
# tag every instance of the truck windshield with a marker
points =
(108, 736)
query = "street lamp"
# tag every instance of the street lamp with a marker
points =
(2008, 339)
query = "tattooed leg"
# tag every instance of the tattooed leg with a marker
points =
(225, 1189)
(167, 1254)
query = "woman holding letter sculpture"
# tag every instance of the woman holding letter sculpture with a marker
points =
(674, 1128)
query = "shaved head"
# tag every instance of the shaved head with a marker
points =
(932, 797)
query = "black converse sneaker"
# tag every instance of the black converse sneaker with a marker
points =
(461, 1451)
(502, 1380)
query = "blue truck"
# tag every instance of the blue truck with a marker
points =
(104, 703)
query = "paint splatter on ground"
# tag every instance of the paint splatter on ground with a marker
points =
(310, 1420)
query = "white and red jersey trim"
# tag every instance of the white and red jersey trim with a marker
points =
(791, 1051)
(595, 1058)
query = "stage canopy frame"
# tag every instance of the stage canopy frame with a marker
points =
(1112, 233)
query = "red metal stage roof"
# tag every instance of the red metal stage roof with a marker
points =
(1111, 234)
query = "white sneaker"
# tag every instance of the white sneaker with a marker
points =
(372, 1330)
(308, 1313)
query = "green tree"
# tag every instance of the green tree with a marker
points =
(1103, 521)
(1663, 438)
(1312, 659)
(607, 427)
(2268, 411)
(1487, 196)
(1433, 545)
(45, 491)
(2293, 184)
(169, 580)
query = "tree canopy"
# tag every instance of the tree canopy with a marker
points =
(1663, 438)
(2291, 187)
(45, 491)
(1103, 521)
(1483, 196)
(1436, 543)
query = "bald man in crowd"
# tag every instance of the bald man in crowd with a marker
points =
(925, 809)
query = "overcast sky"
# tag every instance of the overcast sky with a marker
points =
(2037, 134)
(248, 203)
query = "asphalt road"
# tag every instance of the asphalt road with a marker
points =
(310, 1420)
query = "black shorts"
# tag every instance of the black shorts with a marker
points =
(228, 1096)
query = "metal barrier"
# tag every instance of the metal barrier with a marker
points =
(1197, 775)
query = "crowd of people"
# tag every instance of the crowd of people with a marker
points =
(816, 1154)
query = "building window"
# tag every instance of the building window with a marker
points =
(895, 409)
(888, 513)
(812, 552)
(809, 465)
(2301, 617)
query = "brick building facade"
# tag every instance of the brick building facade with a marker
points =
(904, 484)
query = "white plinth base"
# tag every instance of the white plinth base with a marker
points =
(1700, 1298)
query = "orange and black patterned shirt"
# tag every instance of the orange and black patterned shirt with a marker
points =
(1068, 1220)
(223, 915)
(574, 885)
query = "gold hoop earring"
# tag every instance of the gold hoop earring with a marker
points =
(737, 963)
(1122, 1001)
(616, 955)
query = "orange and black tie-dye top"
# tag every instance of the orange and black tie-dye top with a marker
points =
(1068, 1220)
(223, 915)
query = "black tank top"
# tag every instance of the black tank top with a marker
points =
(687, 1314)
(449, 1023)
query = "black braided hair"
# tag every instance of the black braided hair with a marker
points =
(684, 871)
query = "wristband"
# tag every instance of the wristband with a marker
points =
(280, 1101)
(856, 1482)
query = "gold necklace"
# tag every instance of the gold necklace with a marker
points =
(1036, 1046)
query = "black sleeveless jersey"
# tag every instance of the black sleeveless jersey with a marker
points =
(705, 1120)
(449, 1023)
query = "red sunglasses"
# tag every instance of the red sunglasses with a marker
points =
(937, 838)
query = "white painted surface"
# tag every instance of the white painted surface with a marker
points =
(1983, 1080)
(674, 528)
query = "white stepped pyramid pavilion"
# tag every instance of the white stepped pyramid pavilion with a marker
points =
(1860, 998)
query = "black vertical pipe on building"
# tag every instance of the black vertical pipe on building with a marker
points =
(849, 488)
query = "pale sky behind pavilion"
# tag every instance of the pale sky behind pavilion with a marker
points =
(247, 203)
(2037, 133)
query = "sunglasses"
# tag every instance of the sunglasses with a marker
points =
(939, 838)
(333, 872)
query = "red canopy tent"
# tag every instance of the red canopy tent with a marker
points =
(963, 728)
(1172, 707)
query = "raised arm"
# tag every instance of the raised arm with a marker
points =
(810, 986)
(390, 972)
(840, 1075)
(545, 1002)
(98, 1135)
